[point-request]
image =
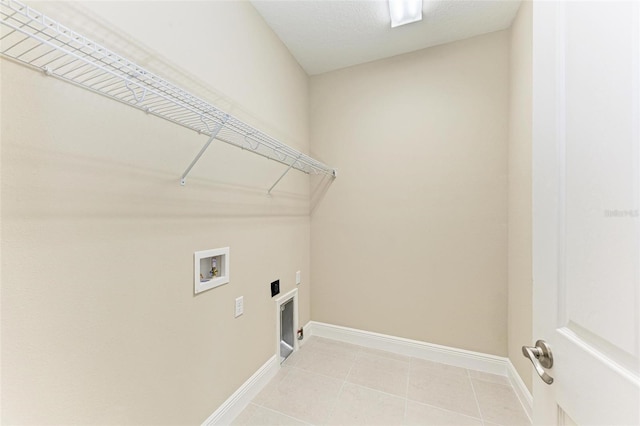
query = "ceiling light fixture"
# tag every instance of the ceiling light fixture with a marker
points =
(405, 12)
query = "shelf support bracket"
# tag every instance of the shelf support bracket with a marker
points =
(285, 172)
(136, 97)
(214, 133)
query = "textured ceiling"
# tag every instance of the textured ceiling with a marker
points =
(325, 35)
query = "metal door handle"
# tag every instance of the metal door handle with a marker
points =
(540, 356)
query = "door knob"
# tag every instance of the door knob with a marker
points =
(540, 356)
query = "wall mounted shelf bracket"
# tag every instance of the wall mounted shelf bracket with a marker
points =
(281, 176)
(214, 133)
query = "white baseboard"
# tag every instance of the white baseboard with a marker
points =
(438, 353)
(525, 397)
(237, 402)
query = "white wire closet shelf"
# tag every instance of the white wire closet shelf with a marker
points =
(37, 41)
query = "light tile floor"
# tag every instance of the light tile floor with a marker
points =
(328, 382)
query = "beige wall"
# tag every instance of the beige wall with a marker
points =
(411, 239)
(520, 274)
(99, 320)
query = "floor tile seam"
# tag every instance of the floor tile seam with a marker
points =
(406, 396)
(517, 410)
(454, 371)
(362, 350)
(453, 367)
(258, 404)
(335, 403)
(365, 355)
(383, 371)
(322, 374)
(507, 385)
(391, 369)
(285, 376)
(446, 409)
(330, 363)
(345, 346)
(382, 357)
(254, 403)
(513, 394)
(372, 357)
(286, 415)
(386, 369)
(277, 387)
(376, 390)
(475, 396)
(430, 376)
(441, 372)
(249, 420)
(343, 357)
(505, 376)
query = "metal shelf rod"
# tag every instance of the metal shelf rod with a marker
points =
(280, 178)
(214, 133)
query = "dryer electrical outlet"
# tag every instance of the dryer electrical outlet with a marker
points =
(275, 288)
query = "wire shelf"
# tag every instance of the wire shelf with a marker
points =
(34, 39)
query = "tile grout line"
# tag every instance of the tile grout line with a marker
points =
(345, 380)
(376, 390)
(406, 393)
(475, 395)
(445, 409)
(250, 417)
(278, 386)
(333, 409)
(442, 408)
(286, 415)
(267, 398)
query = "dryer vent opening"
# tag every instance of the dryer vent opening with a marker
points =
(287, 333)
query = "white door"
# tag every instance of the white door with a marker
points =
(586, 191)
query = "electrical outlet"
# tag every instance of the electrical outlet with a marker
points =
(298, 278)
(239, 306)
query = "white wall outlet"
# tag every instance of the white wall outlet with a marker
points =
(239, 306)
(297, 277)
